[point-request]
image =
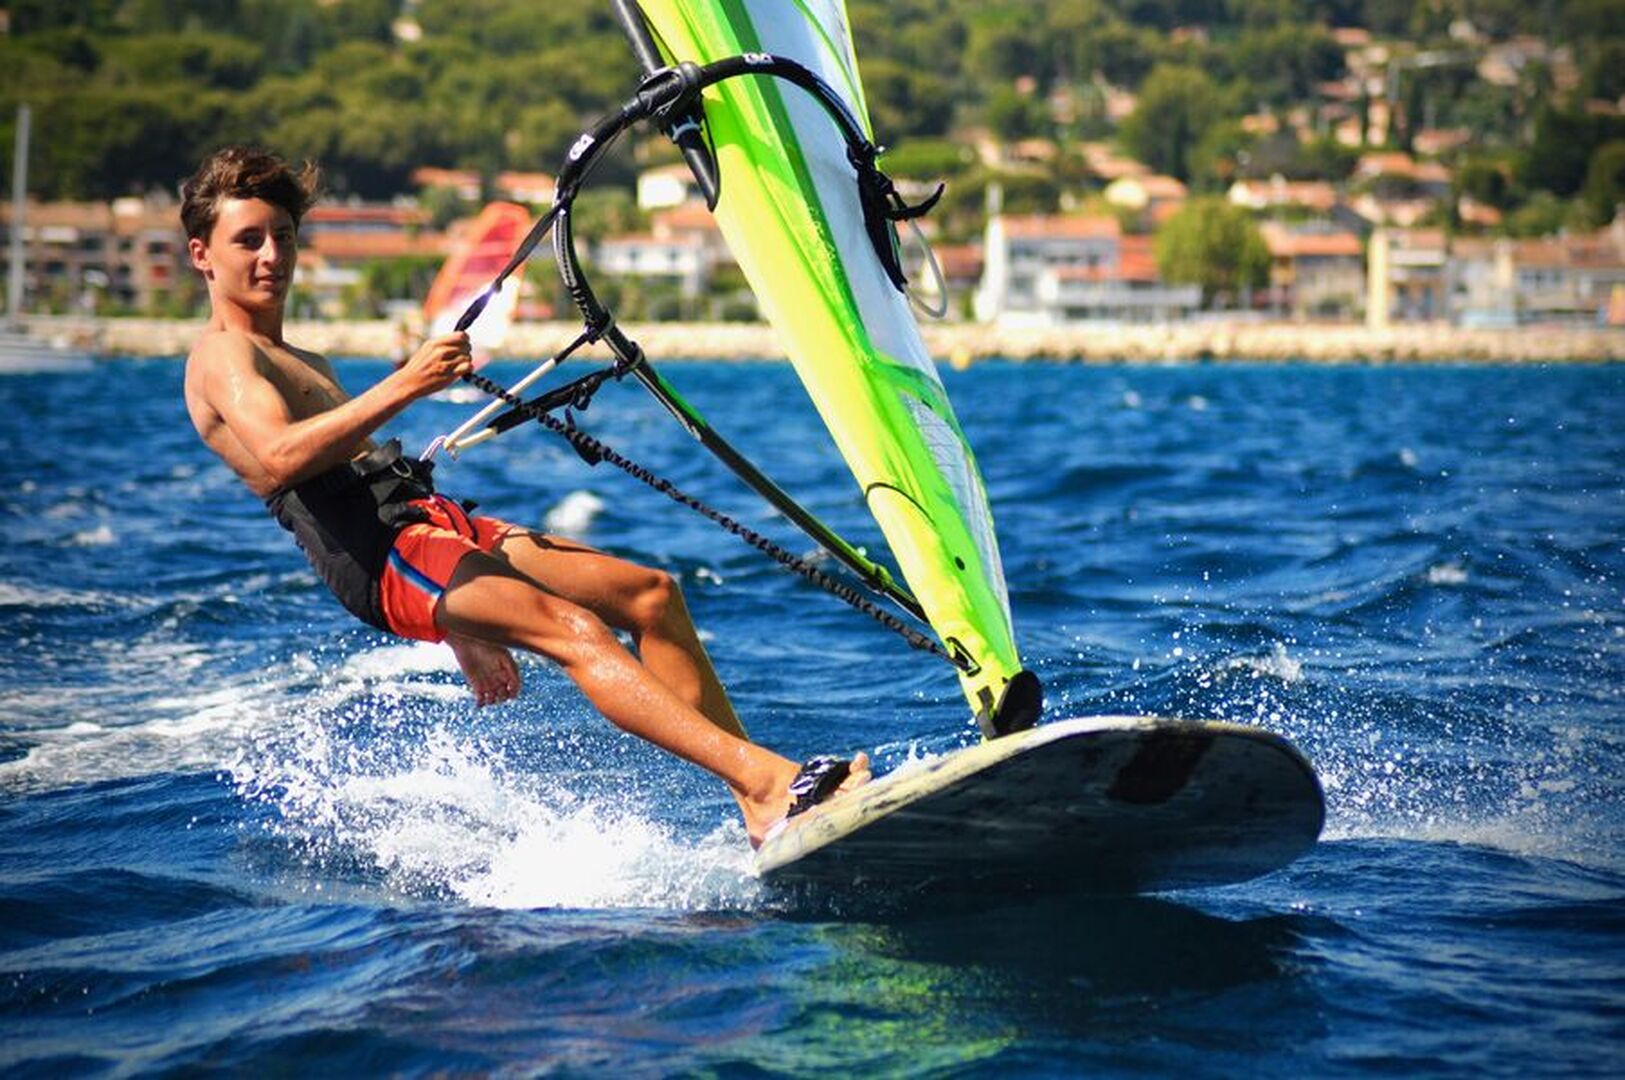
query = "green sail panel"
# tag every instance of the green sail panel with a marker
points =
(790, 213)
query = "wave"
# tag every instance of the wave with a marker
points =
(453, 814)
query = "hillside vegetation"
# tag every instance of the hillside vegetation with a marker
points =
(128, 94)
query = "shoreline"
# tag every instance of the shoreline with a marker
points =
(959, 344)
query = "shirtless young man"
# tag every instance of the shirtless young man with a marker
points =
(414, 563)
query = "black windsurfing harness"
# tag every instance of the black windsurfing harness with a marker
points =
(346, 519)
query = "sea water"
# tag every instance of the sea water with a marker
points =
(239, 832)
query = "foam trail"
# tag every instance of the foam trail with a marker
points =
(448, 815)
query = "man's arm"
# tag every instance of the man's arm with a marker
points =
(289, 450)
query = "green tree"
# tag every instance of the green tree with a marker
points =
(927, 159)
(1487, 180)
(1543, 215)
(1604, 188)
(1588, 20)
(1014, 115)
(1602, 73)
(1561, 150)
(1222, 155)
(606, 211)
(1215, 244)
(1285, 62)
(1177, 106)
(189, 60)
(905, 101)
(1124, 54)
(1004, 42)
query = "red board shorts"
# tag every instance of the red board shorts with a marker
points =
(422, 560)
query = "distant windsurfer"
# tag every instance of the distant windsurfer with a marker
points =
(413, 562)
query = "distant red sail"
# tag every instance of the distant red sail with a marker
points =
(483, 251)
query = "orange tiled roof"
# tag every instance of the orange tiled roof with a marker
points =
(1163, 187)
(1595, 252)
(351, 246)
(686, 217)
(1314, 194)
(535, 183)
(430, 176)
(1287, 244)
(1070, 227)
(121, 217)
(1136, 260)
(337, 215)
(1385, 163)
(959, 261)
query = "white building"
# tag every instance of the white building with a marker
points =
(1555, 278)
(1041, 271)
(667, 186)
(1021, 248)
(1315, 270)
(683, 244)
(679, 258)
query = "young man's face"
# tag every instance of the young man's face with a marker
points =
(250, 254)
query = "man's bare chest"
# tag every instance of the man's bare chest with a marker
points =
(307, 389)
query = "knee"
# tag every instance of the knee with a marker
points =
(658, 602)
(579, 634)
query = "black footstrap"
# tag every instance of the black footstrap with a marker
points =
(818, 779)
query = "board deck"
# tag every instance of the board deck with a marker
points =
(1109, 804)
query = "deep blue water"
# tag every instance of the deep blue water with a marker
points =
(239, 833)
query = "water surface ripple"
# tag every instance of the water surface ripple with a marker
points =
(239, 833)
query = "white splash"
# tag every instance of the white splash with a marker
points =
(445, 814)
(1279, 664)
(574, 515)
(190, 718)
(100, 536)
(27, 596)
(1449, 573)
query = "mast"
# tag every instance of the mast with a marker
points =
(19, 198)
(685, 129)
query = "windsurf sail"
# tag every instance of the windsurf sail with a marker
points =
(810, 217)
(482, 250)
(795, 220)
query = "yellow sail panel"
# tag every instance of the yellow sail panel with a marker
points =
(790, 212)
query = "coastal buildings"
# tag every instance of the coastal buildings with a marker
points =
(666, 186)
(683, 247)
(103, 258)
(339, 241)
(1423, 274)
(1041, 270)
(535, 188)
(1329, 260)
(1315, 271)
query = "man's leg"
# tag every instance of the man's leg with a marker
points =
(489, 599)
(646, 603)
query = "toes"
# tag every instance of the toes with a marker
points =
(859, 773)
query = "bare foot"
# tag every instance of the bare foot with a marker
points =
(765, 815)
(490, 670)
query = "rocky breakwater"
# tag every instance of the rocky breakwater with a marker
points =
(956, 343)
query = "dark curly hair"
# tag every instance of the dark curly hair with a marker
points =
(245, 172)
